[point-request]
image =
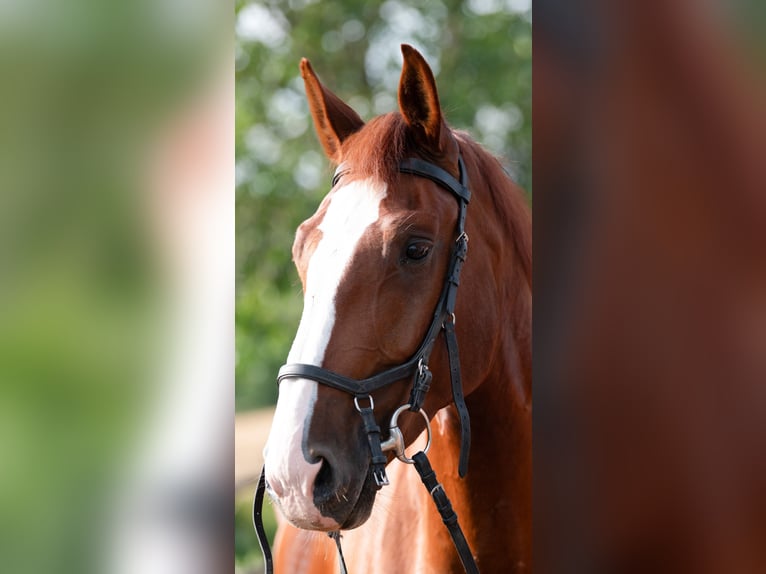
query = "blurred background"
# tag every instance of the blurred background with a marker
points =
(481, 54)
(116, 286)
(118, 309)
(650, 286)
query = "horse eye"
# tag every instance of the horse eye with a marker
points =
(418, 250)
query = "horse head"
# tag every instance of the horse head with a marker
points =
(373, 261)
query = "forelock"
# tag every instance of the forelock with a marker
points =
(377, 149)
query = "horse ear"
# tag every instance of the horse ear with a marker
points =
(334, 120)
(419, 101)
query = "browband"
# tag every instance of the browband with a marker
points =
(415, 166)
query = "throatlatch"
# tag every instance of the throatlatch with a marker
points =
(417, 368)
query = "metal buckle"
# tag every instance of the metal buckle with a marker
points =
(356, 403)
(380, 477)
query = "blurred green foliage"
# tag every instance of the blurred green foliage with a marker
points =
(85, 86)
(481, 53)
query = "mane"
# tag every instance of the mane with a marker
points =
(508, 199)
(391, 138)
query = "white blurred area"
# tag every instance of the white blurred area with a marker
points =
(116, 286)
(173, 506)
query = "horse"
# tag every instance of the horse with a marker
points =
(372, 261)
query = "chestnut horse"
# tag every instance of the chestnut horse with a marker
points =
(372, 261)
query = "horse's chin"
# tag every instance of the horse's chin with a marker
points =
(305, 520)
(339, 513)
(363, 507)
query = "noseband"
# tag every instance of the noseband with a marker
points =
(416, 367)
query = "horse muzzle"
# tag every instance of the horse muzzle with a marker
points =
(319, 474)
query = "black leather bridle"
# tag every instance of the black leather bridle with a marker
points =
(415, 367)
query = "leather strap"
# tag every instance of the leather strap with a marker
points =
(453, 279)
(335, 535)
(359, 388)
(415, 166)
(420, 386)
(444, 506)
(372, 430)
(364, 387)
(458, 397)
(263, 540)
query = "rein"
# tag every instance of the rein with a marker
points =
(415, 367)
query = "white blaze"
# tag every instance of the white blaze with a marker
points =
(353, 208)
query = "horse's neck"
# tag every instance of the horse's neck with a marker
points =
(501, 426)
(493, 501)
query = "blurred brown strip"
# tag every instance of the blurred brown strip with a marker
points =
(650, 321)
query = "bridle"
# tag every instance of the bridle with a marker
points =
(417, 365)
(417, 368)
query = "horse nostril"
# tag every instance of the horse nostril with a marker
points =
(324, 483)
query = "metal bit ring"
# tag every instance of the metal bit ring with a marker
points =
(395, 441)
